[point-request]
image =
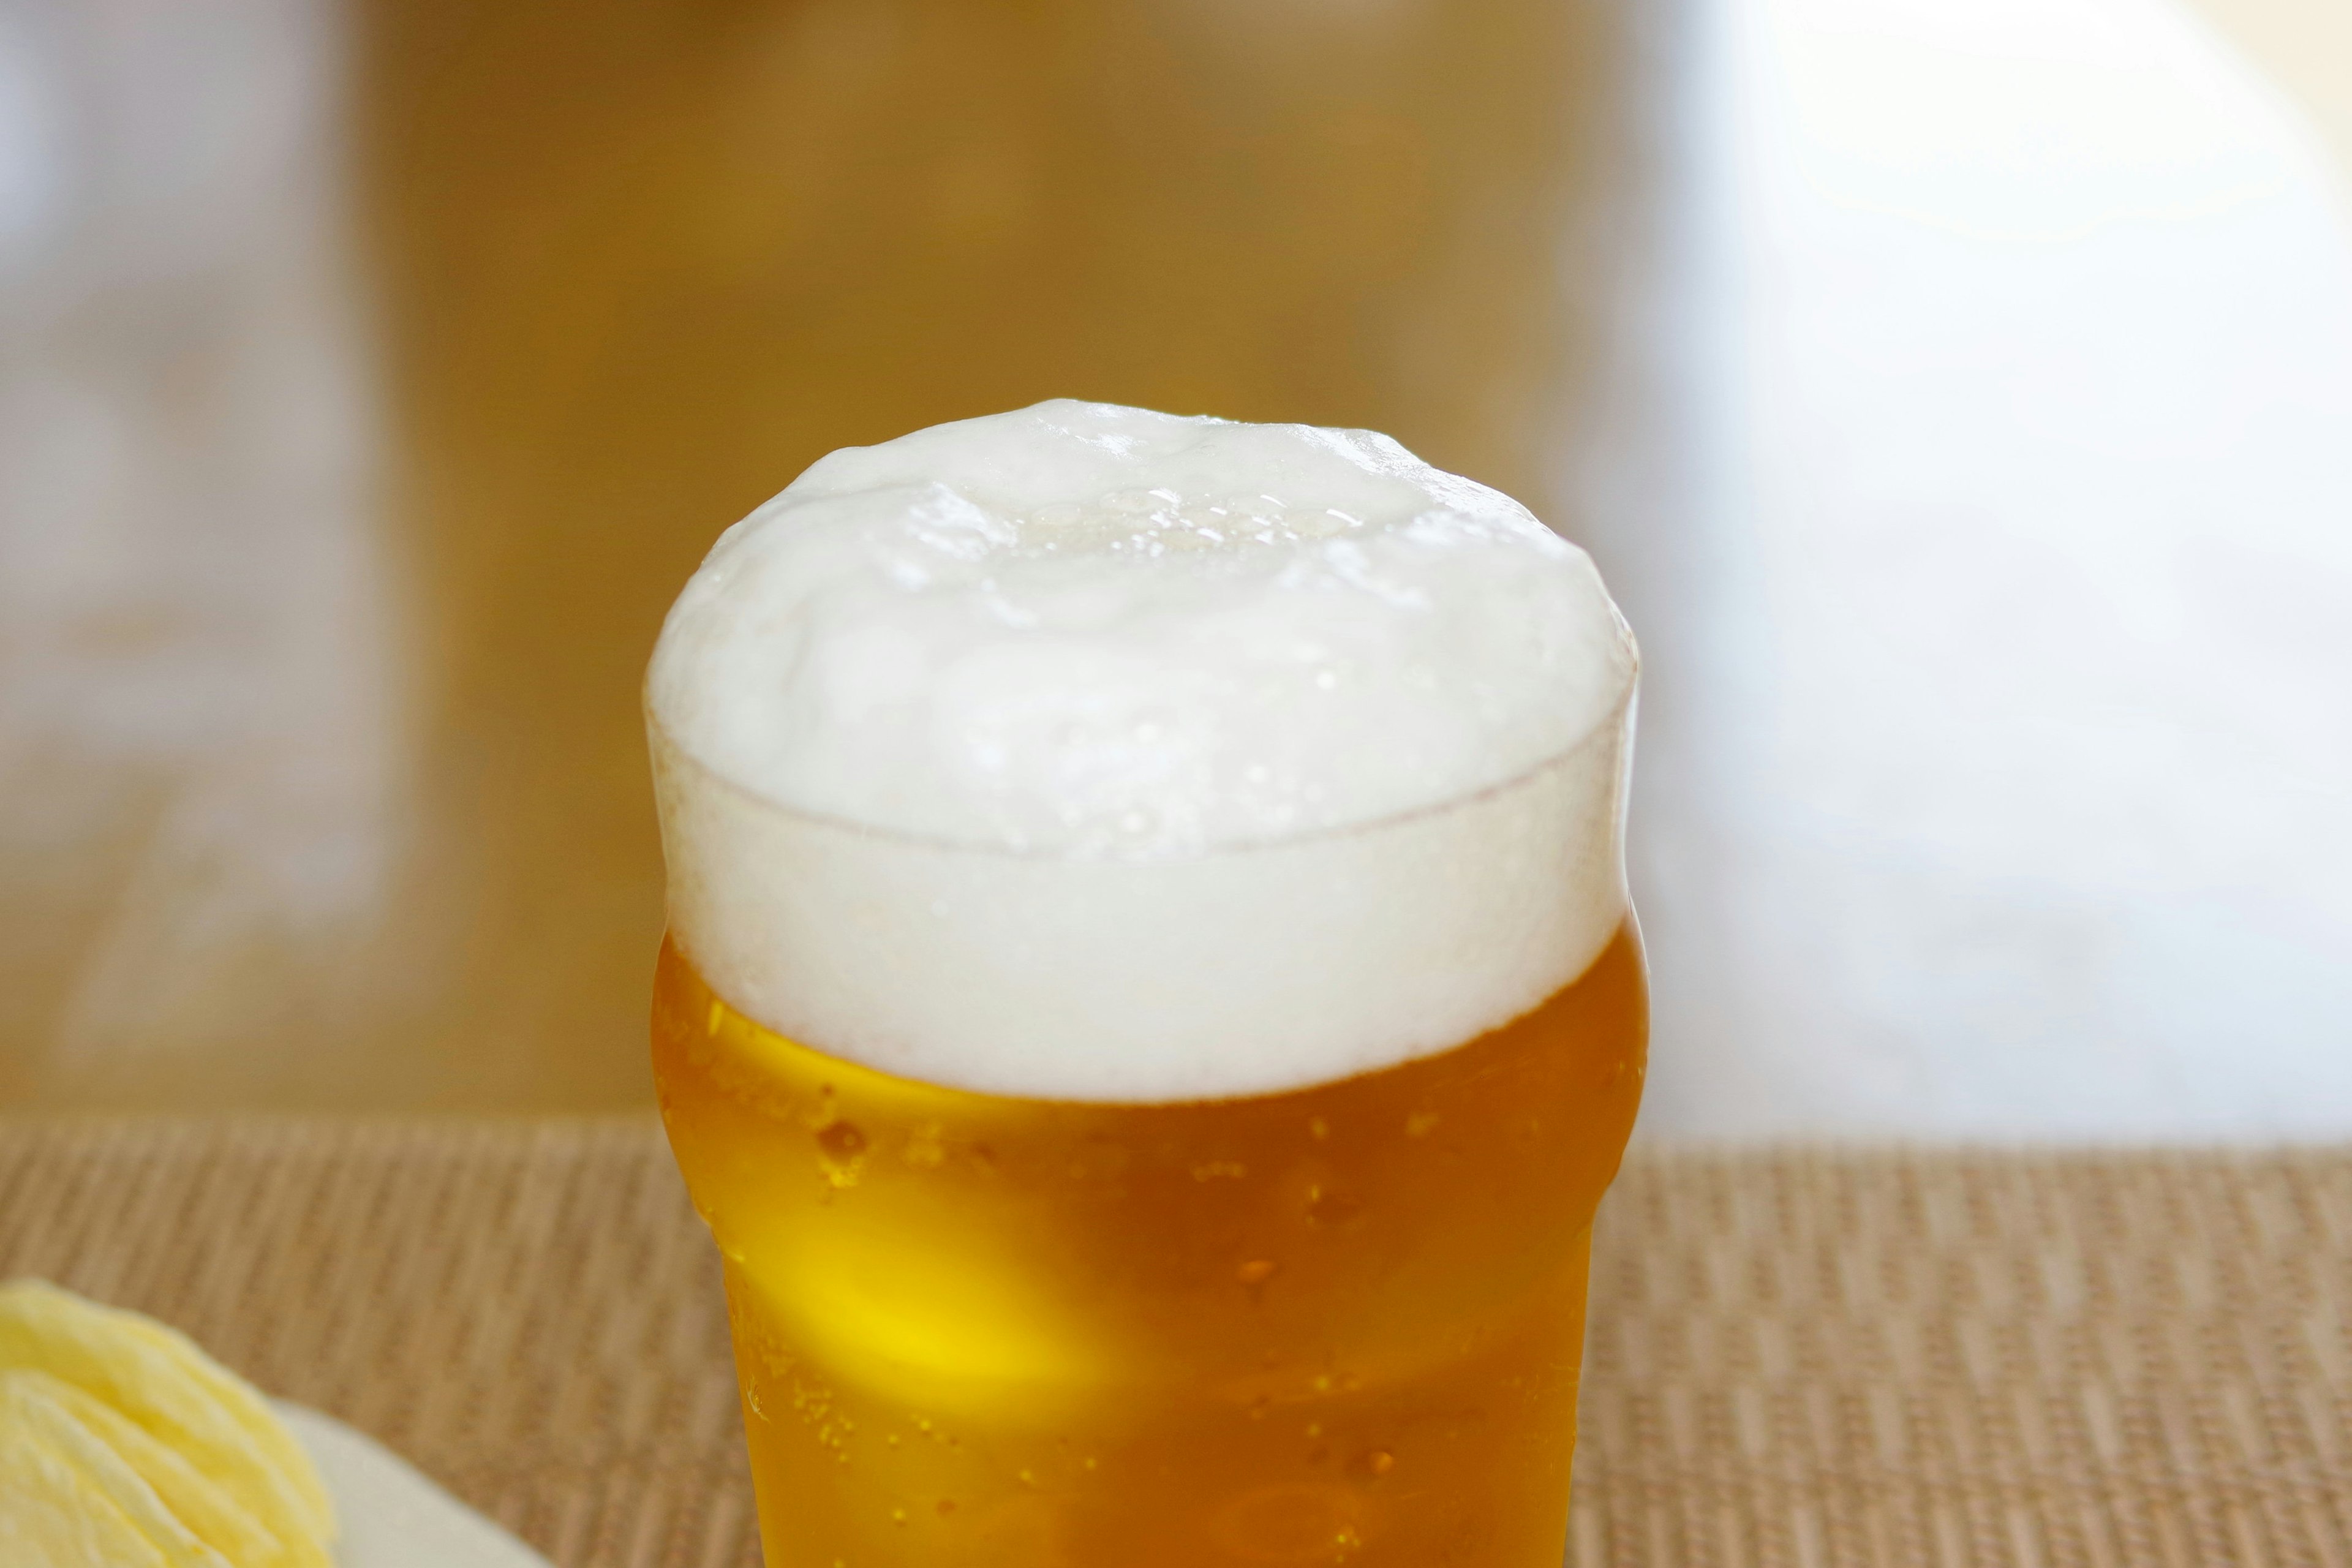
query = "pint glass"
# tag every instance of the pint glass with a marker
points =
(1294, 1295)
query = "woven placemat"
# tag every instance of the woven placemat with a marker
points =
(1796, 1359)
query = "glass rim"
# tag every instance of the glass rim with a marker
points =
(1618, 714)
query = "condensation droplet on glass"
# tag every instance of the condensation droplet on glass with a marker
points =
(841, 1149)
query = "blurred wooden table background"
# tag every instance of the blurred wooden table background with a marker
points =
(371, 377)
(426, 349)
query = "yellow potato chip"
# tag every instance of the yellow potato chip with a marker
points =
(162, 1383)
(53, 1515)
(29, 1405)
(210, 1513)
(251, 1412)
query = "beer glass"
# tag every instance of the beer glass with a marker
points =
(1294, 1295)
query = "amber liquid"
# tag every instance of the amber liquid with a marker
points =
(1337, 1325)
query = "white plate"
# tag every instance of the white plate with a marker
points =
(391, 1516)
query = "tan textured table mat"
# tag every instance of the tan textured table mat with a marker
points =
(1797, 1359)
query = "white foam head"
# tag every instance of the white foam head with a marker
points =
(1088, 752)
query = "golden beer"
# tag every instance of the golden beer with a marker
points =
(1337, 1325)
(1151, 1004)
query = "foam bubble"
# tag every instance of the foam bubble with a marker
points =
(1091, 753)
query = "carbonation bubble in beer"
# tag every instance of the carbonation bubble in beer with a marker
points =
(1151, 1003)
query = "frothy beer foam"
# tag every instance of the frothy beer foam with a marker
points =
(1088, 752)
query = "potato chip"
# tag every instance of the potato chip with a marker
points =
(251, 1412)
(52, 1514)
(162, 1383)
(26, 1403)
(214, 1517)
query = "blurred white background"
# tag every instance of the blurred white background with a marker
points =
(1991, 539)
